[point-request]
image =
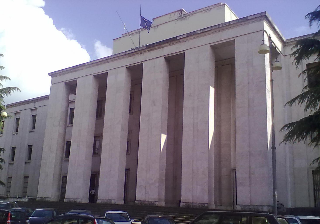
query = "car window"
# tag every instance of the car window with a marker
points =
(42, 213)
(85, 221)
(234, 219)
(282, 221)
(260, 220)
(159, 220)
(17, 215)
(118, 217)
(103, 221)
(207, 219)
(3, 215)
(310, 221)
(292, 221)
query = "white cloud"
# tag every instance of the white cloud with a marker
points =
(33, 47)
(102, 50)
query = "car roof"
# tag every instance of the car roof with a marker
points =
(308, 217)
(116, 212)
(158, 216)
(51, 209)
(237, 212)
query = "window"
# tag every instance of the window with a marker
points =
(1, 127)
(313, 81)
(99, 110)
(17, 124)
(131, 103)
(96, 145)
(67, 151)
(29, 155)
(25, 186)
(13, 154)
(71, 116)
(33, 122)
(234, 219)
(260, 220)
(8, 187)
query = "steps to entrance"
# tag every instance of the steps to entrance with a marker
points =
(136, 212)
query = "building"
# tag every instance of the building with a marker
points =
(183, 120)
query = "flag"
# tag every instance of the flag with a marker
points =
(146, 24)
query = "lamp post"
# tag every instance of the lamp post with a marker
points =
(264, 49)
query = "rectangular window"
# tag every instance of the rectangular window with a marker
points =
(33, 122)
(8, 187)
(67, 151)
(313, 81)
(131, 103)
(71, 116)
(96, 145)
(29, 153)
(25, 186)
(13, 154)
(99, 110)
(17, 124)
(1, 127)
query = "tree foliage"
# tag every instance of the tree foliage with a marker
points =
(4, 91)
(307, 129)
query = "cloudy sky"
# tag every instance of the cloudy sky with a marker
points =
(41, 36)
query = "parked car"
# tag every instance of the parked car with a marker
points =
(14, 216)
(118, 217)
(8, 205)
(42, 215)
(79, 212)
(235, 217)
(79, 219)
(27, 211)
(302, 219)
(157, 219)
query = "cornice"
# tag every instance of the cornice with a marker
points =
(32, 100)
(172, 41)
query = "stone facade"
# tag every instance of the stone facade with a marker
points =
(184, 120)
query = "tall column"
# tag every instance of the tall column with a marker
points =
(54, 140)
(253, 159)
(80, 160)
(198, 128)
(153, 133)
(115, 132)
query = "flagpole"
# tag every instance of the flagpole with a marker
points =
(139, 26)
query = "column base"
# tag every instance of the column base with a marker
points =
(256, 208)
(76, 200)
(150, 203)
(193, 205)
(110, 201)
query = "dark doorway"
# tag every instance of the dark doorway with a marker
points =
(126, 183)
(93, 189)
(63, 188)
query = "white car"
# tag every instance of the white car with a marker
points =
(302, 219)
(118, 217)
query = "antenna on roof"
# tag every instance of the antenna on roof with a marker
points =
(124, 25)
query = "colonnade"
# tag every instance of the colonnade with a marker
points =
(198, 185)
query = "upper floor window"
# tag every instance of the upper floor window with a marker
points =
(67, 151)
(99, 111)
(33, 121)
(96, 145)
(29, 155)
(71, 116)
(17, 124)
(13, 154)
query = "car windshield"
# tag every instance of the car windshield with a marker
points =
(292, 221)
(158, 220)
(17, 215)
(118, 217)
(103, 221)
(310, 221)
(41, 213)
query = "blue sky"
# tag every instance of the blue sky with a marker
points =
(41, 36)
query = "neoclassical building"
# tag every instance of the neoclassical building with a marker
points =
(183, 120)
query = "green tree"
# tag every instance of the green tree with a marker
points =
(307, 129)
(4, 91)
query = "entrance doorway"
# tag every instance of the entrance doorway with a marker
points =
(93, 189)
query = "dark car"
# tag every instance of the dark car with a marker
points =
(14, 216)
(8, 205)
(42, 215)
(79, 219)
(157, 219)
(235, 217)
